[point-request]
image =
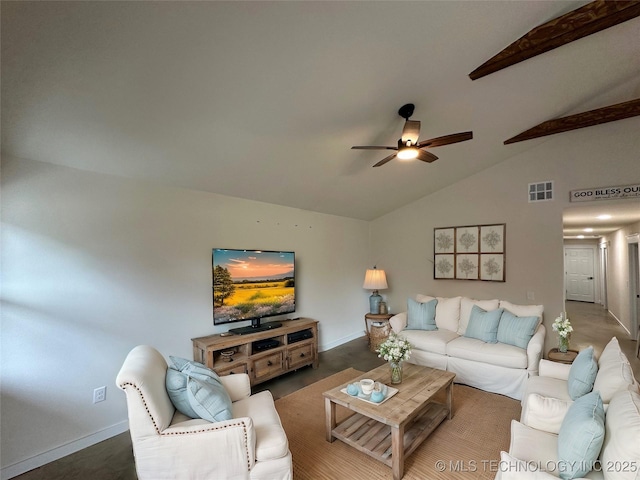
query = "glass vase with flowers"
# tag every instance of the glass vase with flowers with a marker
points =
(562, 326)
(395, 350)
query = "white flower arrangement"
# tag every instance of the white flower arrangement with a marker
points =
(562, 326)
(395, 349)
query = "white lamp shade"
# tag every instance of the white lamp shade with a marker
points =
(375, 279)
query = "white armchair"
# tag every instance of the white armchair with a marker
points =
(547, 400)
(169, 445)
(547, 423)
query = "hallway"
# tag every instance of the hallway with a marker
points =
(593, 325)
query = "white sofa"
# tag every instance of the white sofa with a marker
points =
(493, 367)
(534, 446)
(169, 445)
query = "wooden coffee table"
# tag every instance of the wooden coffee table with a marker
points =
(392, 430)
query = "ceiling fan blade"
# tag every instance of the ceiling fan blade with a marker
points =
(385, 160)
(446, 140)
(426, 156)
(372, 147)
(411, 132)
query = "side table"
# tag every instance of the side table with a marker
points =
(379, 331)
(556, 356)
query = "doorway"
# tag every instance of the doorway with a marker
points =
(634, 284)
(580, 264)
(604, 260)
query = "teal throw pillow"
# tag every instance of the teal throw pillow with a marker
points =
(421, 316)
(516, 331)
(483, 325)
(582, 374)
(581, 437)
(209, 400)
(195, 369)
(176, 384)
(196, 391)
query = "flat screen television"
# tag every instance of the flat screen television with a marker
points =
(252, 285)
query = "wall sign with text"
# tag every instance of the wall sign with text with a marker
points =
(605, 193)
(475, 252)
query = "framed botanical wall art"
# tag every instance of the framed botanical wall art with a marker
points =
(444, 266)
(492, 267)
(444, 240)
(467, 266)
(492, 238)
(471, 252)
(467, 240)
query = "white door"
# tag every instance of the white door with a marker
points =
(634, 286)
(579, 274)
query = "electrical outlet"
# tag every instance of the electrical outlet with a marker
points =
(531, 296)
(99, 394)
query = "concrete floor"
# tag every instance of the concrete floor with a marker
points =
(112, 459)
(593, 325)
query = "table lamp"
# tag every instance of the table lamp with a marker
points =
(375, 280)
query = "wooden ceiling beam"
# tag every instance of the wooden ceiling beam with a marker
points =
(611, 113)
(584, 21)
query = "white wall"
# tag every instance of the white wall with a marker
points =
(619, 295)
(93, 265)
(402, 241)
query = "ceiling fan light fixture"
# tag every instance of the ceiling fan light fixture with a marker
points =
(408, 146)
(408, 153)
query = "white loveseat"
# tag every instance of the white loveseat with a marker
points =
(493, 367)
(535, 440)
(169, 445)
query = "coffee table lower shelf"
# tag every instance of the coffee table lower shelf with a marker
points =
(375, 438)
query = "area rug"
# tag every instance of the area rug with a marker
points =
(465, 447)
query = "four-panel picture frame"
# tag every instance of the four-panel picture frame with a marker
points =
(472, 252)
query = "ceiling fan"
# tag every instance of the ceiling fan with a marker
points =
(408, 147)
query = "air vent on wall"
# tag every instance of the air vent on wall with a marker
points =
(541, 191)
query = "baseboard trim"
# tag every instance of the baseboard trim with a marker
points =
(621, 324)
(62, 451)
(336, 343)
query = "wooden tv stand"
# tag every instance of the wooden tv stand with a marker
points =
(261, 365)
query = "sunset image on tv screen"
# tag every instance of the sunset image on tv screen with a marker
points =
(250, 284)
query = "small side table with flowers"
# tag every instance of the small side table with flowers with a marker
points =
(562, 357)
(395, 350)
(562, 326)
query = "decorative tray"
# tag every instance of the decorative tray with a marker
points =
(390, 392)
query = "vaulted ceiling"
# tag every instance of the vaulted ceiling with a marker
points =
(263, 100)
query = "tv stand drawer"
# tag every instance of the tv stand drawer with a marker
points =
(268, 366)
(301, 355)
(237, 368)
